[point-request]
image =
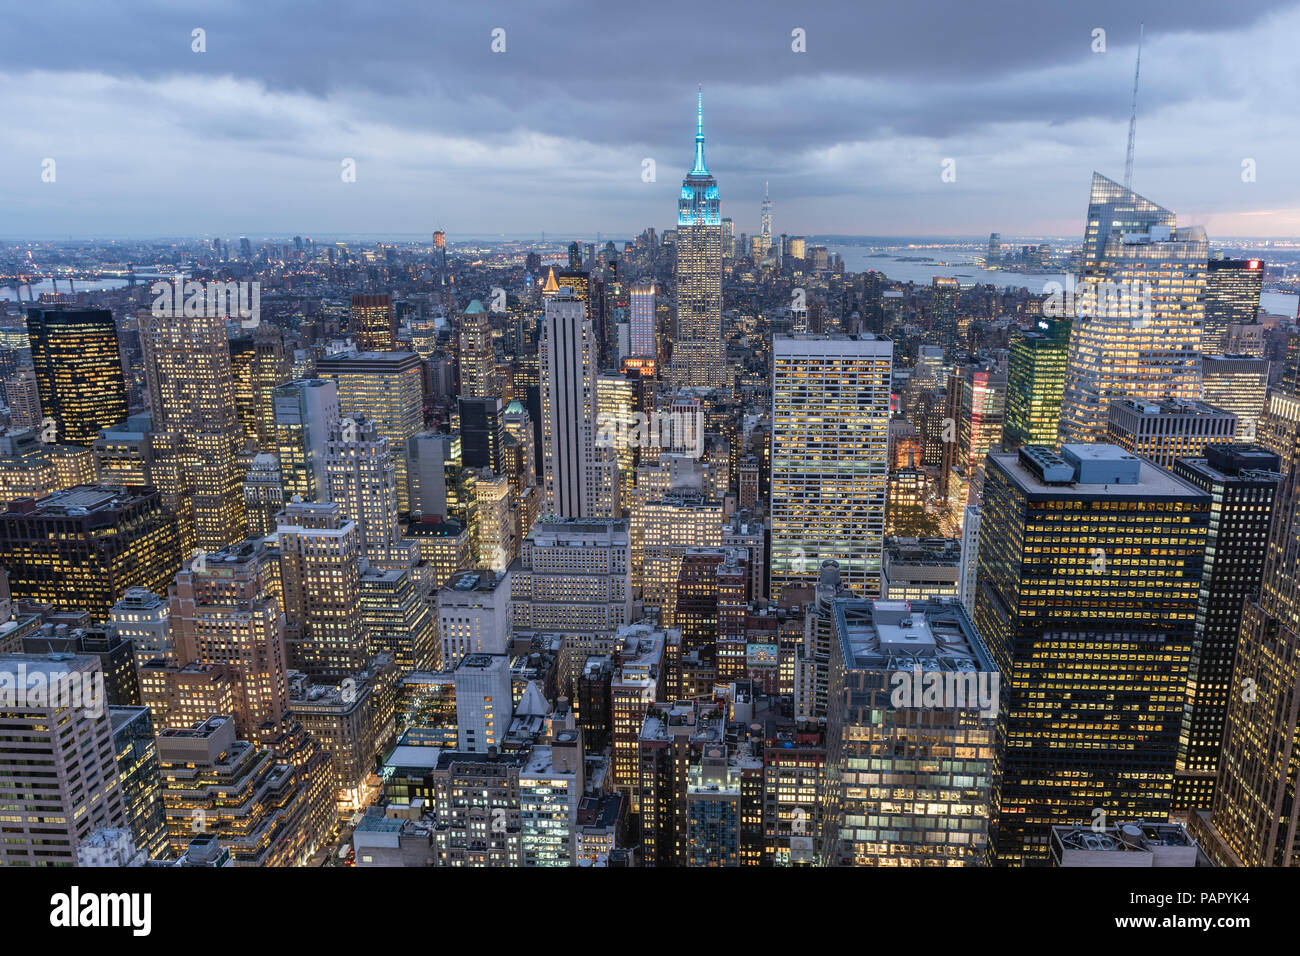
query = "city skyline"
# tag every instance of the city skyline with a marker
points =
(152, 138)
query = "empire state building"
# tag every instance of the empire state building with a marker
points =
(698, 354)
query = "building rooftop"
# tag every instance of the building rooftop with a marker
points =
(893, 635)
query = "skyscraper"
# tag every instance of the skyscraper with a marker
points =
(78, 371)
(1232, 288)
(192, 396)
(373, 323)
(477, 358)
(580, 477)
(1141, 308)
(386, 387)
(362, 480)
(304, 412)
(765, 225)
(1089, 570)
(698, 352)
(642, 319)
(1036, 383)
(830, 436)
(1242, 481)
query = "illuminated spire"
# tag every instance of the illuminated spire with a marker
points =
(700, 169)
(551, 286)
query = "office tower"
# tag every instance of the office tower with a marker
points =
(373, 324)
(1236, 384)
(745, 532)
(1256, 784)
(263, 494)
(30, 468)
(573, 578)
(361, 478)
(483, 702)
(1232, 288)
(1036, 383)
(124, 455)
(478, 369)
(353, 724)
(579, 474)
(78, 370)
(551, 785)
(1242, 482)
(994, 255)
(482, 434)
(943, 312)
(138, 771)
(58, 763)
(970, 541)
(519, 426)
(445, 546)
(909, 680)
(699, 356)
(978, 392)
(644, 341)
(430, 456)
(476, 814)
(114, 652)
(637, 684)
(80, 549)
(1168, 430)
(224, 612)
(399, 618)
(22, 395)
(387, 388)
(255, 806)
(830, 437)
(192, 398)
(916, 569)
(320, 558)
(474, 615)
(144, 619)
(1090, 566)
(494, 544)
(664, 528)
(1140, 307)
(243, 351)
(616, 401)
(303, 412)
(181, 696)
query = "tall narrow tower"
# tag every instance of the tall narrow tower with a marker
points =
(698, 355)
(766, 220)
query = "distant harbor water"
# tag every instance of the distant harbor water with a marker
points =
(961, 268)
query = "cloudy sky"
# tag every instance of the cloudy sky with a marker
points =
(150, 138)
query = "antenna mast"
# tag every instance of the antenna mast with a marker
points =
(1133, 116)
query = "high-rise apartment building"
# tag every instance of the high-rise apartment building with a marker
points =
(644, 341)
(478, 370)
(830, 437)
(1089, 573)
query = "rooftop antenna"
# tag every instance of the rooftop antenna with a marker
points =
(1133, 116)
